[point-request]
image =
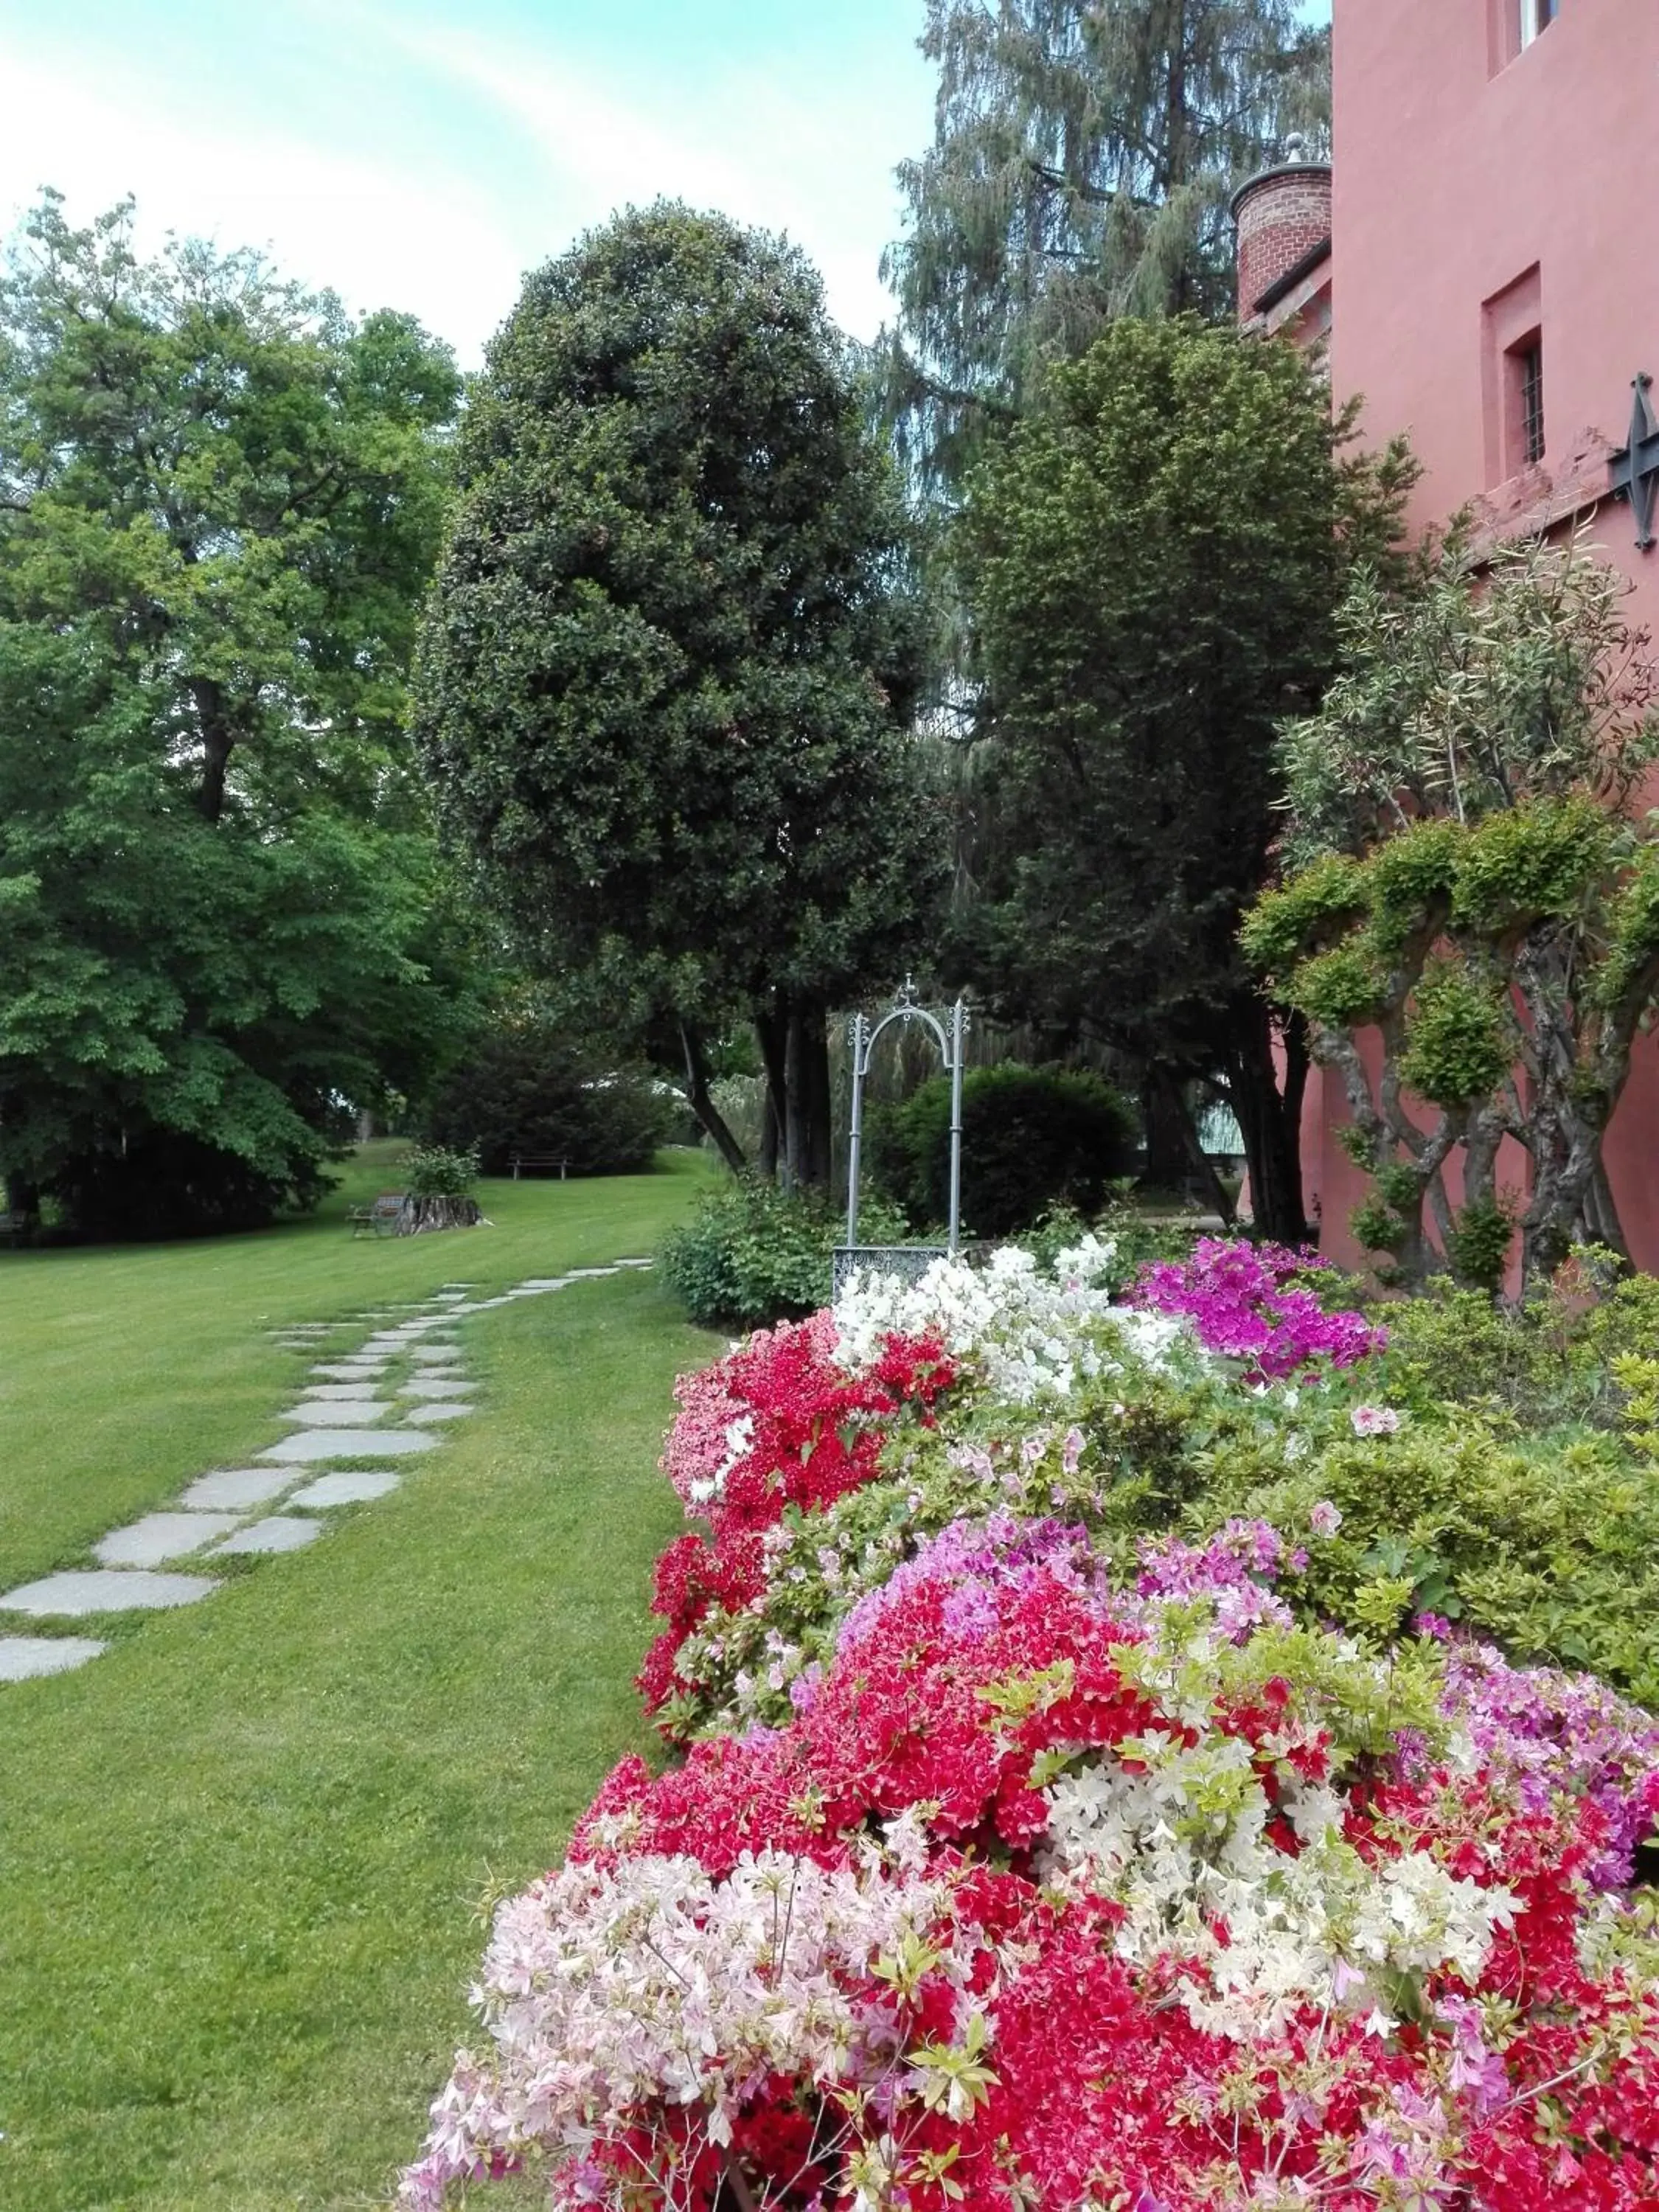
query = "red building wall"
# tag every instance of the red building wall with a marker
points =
(1485, 197)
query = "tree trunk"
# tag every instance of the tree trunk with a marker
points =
(1166, 1146)
(218, 743)
(771, 1034)
(1198, 1161)
(708, 1115)
(820, 1129)
(1270, 1119)
(418, 1215)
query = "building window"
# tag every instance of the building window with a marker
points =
(1512, 377)
(1528, 370)
(1523, 403)
(1536, 15)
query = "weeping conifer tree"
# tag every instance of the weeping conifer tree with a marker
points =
(1082, 156)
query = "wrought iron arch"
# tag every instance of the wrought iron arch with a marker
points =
(950, 1035)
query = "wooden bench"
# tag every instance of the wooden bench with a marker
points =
(13, 1225)
(540, 1164)
(379, 1219)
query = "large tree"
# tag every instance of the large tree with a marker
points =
(666, 678)
(1083, 155)
(220, 500)
(1153, 561)
(1470, 925)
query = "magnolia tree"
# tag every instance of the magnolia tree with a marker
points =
(1471, 920)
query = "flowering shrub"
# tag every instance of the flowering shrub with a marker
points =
(777, 1423)
(1171, 1911)
(1031, 1335)
(1251, 1301)
(1038, 1845)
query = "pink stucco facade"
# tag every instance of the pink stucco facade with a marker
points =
(1495, 212)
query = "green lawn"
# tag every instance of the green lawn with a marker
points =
(239, 1853)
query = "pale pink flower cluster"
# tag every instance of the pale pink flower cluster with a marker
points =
(1374, 1421)
(611, 1991)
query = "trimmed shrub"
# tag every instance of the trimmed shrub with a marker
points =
(527, 1090)
(753, 1253)
(1032, 1137)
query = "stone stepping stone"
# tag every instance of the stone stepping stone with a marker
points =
(160, 1536)
(281, 1532)
(545, 1283)
(23, 1657)
(352, 1371)
(310, 1445)
(449, 1412)
(342, 1394)
(424, 1385)
(107, 1589)
(327, 1415)
(434, 1354)
(236, 1489)
(637, 1263)
(343, 1490)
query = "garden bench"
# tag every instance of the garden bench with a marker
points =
(13, 1225)
(540, 1164)
(379, 1219)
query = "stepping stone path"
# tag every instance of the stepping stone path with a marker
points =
(214, 1516)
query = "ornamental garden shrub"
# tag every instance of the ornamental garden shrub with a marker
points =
(527, 1088)
(1044, 1833)
(753, 1253)
(1032, 1137)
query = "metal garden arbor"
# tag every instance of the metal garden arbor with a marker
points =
(950, 1035)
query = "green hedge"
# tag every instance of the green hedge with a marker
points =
(528, 1090)
(1032, 1137)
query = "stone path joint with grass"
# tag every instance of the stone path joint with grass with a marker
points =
(378, 1402)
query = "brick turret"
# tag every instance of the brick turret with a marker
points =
(1284, 219)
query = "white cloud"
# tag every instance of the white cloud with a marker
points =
(378, 236)
(432, 167)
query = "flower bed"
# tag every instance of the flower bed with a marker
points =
(1032, 1843)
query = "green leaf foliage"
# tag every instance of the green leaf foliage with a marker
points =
(1032, 1138)
(1081, 165)
(666, 675)
(754, 1254)
(524, 1088)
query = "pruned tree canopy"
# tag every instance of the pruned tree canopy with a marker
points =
(667, 673)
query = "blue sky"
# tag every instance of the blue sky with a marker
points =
(422, 153)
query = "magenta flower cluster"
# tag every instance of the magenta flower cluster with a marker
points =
(1251, 1303)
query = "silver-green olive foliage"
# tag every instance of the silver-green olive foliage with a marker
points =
(668, 669)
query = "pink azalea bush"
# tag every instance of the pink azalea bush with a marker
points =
(1250, 1302)
(1074, 1874)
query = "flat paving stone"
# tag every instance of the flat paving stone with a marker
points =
(426, 1386)
(344, 1394)
(352, 1371)
(236, 1489)
(327, 1415)
(107, 1589)
(310, 1445)
(281, 1532)
(545, 1283)
(435, 1355)
(160, 1536)
(23, 1657)
(445, 1413)
(343, 1490)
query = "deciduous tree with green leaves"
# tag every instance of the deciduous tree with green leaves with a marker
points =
(1471, 927)
(220, 500)
(1153, 561)
(666, 677)
(1082, 156)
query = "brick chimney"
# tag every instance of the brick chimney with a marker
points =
(1283, 216)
